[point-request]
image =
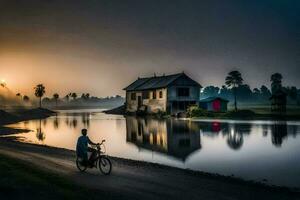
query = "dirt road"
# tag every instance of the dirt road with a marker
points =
(138, 180)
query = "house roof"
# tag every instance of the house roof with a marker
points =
(153, 82)
(209, 99)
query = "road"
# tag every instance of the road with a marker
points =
(138, 180)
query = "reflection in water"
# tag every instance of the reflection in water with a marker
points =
(40, 135)
(235, 135)
(279, 132)
(180, 138)
(56, 122)
(85, 119)
(218, 146)
(235, 139)
(172, 137)
(74, 122)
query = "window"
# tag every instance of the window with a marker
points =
(133, 96)
(145, 95)
(154, 94)
(160, 94)
(183, 92)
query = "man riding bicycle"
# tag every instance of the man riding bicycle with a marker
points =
(82, 148)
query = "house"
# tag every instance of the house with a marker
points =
(215, 104)
(278, 101)
(171, 94)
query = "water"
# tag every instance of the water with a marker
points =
(266, 151)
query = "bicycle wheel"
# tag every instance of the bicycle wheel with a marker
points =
(104, 165)
(79, 163)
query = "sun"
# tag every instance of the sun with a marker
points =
(3, 83)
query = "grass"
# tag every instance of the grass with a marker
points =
(247, 112)
(21, 181)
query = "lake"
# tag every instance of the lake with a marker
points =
(266, 151)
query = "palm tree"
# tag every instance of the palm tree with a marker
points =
(74, 95)
(56, 97)
(39, 92)
(233, 80)
(276, 82)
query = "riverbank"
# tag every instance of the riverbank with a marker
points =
(141, 180)
(23, 115)
(245, 114)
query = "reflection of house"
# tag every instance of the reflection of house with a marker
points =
(171, 94)
(215, 104)
(172, 137)
(278, 101)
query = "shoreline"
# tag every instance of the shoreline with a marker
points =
(243, 114)
(7, 118)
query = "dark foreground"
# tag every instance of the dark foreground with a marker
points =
(40, 172)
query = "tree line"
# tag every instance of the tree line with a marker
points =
(235, 90)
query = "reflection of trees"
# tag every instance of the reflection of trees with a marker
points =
(74, 122)
(56, 122)
(85, 118)
(279, 132)
(45, 122)
(40, 135)
(265, 130)
(236, 134)
(235, 140)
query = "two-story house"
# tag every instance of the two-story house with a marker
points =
(171, 94)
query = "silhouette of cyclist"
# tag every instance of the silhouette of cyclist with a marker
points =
(82, 148)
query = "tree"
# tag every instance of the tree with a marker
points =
(210, 91)
(74, 95)
(244, 92)
(233, 80)
(19, 95)
(39, 92)
(292, 92)
(85, 96)
(265, 92)
(26, 98)
(56, 97)
(225, 92)
(276, 82)
(67, 97)
(256, 93)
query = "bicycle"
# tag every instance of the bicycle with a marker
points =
(101, 161)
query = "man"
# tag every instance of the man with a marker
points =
(82, 148)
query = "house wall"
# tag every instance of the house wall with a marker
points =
(132, 105)
(224, 106)
(153, 105)
(194, 93)
(158, 104)
(194, 97)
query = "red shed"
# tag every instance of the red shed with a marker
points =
(215, 104)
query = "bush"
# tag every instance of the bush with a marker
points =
(161, 114)
(196, 111)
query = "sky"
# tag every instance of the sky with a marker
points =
(101, 46)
